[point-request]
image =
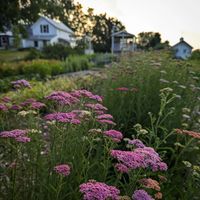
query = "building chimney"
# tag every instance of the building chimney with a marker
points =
(181, 39)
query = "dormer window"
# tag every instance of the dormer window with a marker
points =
(44, 28)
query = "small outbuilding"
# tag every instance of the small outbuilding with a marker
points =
(123, 41)
(182, 50)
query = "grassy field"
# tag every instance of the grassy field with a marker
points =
(135, 126)
(12, 55)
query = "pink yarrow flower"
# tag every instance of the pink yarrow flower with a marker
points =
(99, 191)
(115, 135)
(63, 98)
(21, 84)
(13, 134)
(17, 134)
(63, 169)
(23, 139)
(105, 116)
(3, 107)
(96, 106)
(141, 195)
(69, 117)
(140, 158)
(121, 168)
(86, 93)
(106, 121)
(122, 89)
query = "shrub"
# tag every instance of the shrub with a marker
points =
(57, 51)
(34, 54)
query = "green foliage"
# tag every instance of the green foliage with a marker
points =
(77, 63)
(196, 54)
(147, 40)
(16, 36)
(34, 54)
(57, 51)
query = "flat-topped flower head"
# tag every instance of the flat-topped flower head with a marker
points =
(62, 169)
(23, 139)
(190, 133)
(150, 183)
(63, 98)
(98, 191)
(141, 195)
(70, 117)
(13, 134)
(115, 135)
(140, 158)
(137, 143)
(21, 84)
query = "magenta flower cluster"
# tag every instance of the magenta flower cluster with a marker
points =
(86, 93)
(137, 143)
(63, 169)
(141, 195)
(17, 134)
(96, 106)
(140, 158)
(70, 117)
(32, 104)
(63, 98)
(115, 135)
(100, 191)
(21, 84)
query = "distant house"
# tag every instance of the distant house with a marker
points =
(43, 32)
(123, 41)
(46, 31)
(182, 49)
(6, 39)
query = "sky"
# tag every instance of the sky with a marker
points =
(172, 18)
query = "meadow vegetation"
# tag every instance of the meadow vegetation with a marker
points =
(130, 132)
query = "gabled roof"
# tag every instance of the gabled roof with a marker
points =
(58, 25)
(182, 42)
(124, 34)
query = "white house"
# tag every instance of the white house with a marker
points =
(182, 49)
(47, 31)
(6, 39)
(123, 41)
(43, 32)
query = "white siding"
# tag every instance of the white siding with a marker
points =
(36, 27)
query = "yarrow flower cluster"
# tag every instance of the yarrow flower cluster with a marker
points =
(140, 158)
(137, 143)
(3, 107)
(69, 117)
(125, 89)
(63, 98)
(190, 133)
(63, 169)
(17, 134)
(150, 183)
(141, 195)
(115, 135)
(86, 93)
(21, 84)
(96, 106)
(99, 191)
(29, 103)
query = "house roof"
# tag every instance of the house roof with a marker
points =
(182, 42)
(124, 34)
(58, 25)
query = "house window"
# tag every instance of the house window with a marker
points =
(184, 50)
(4, 40)
(35, 43)
(44, 28)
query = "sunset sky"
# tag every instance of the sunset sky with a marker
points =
(172, 18)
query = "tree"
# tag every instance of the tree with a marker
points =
(148, 40)
(102, 31)
(16, 36)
